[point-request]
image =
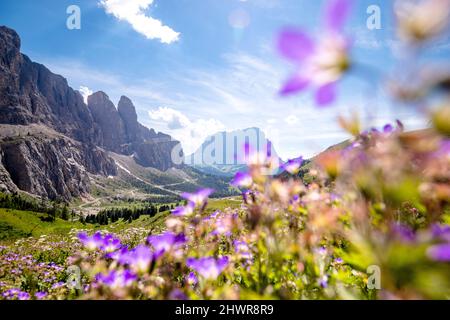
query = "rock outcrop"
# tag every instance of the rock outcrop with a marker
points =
(127, 112)
(67, 140)
(111, 125)
(53, 167)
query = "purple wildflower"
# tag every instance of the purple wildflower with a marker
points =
(319, 64)
(403, 232)
(58, 285)
(440, 252)
(443, 151)
(242, 249)
(440, 232)
(91, 243)
(117, 279)
(186, 210)
(192, 279)
(118, 254)
(16, 293)
(164, 242)
(212, 216)
(242, 179)
(388, 128)
(110, 244)
(40, 295)
(23, 296)
(177, 294)
(208, 267)
(293, 166)
(323, 282)
(139, 259)
(198, 198)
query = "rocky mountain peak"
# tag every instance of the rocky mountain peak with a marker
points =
(100, 99)
(126, 107)
(108, 119)
(127, 111)
(65, 140)
(9, 40)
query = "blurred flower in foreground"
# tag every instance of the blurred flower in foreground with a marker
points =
(422, 20)
(164, 242)
(440, 252)
(139, 259)
(242, 179)
(91, 242)
(192, 279)
(208, 267)
(199, 198)
(323, 63)
(293, 166)
(117, 279)
(110, 243)
(186, 210)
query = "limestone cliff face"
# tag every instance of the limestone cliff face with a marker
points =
(127, 112)
(112, 128)
(66, 140)
(54, 167)
(30, 93)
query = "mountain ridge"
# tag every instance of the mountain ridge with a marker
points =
(66, 141)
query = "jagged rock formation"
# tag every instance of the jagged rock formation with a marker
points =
(127, 112)
(123, 134)
(65, 140)
(108, 119)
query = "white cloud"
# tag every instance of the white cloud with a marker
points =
(133, 11)
(191, 133)
(85, 92)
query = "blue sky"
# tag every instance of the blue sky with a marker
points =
(210, 65)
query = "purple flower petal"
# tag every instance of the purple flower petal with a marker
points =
(177, 294)
(116, 279)
(388, 128)
(40, 295)
(404, 232)
(208, 267)
(439, 252)
(295, 45)
(336, 14)
(199, 197)
(294, 84)
(293, 166)
(192, 279)
(139, 258)
(184, 210)
(326, 94)
(164, 242)
(242, 179)
(440, 232)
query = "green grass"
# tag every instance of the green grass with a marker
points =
(222, 204)
(16, 224)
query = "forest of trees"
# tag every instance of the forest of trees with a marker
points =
(51, 209)
(112, 215)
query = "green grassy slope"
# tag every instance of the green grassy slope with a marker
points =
(16, 224)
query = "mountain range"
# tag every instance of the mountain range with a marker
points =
(54, 145)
